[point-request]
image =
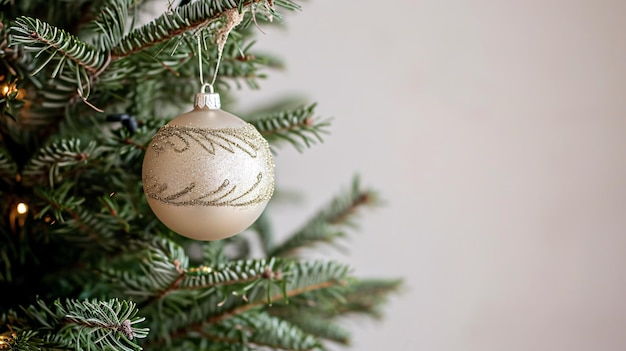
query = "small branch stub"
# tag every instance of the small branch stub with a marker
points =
(127, 329)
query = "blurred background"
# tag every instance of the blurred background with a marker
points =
(495, 132)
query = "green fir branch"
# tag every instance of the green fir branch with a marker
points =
(57, 202)
(34, 35)
(287, 4)
(149, 273)
(79, 325)
(110, 25)
(122, 148)
(213, 253)
(298, 127)
(359, 296)
(299, 277)
(57, 95)
(322, 328)
(239, 65)
(72, 58)
(181, 20)
(166, 276)
(262, 330)
(288, 280)
(164, 58)
(87, 229)
(235, 272)
(71, 221)
(326, 225)
(365, 296)
(55, 160)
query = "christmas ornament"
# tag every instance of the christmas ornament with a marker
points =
(208, 174)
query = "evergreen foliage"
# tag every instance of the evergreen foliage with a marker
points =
(84, 264)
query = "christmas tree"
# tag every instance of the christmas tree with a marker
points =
(84, 262)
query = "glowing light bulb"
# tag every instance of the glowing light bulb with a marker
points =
(22, 208)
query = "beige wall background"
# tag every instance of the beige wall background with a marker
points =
(495, 131)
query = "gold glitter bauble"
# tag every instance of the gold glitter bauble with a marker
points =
(208, 174)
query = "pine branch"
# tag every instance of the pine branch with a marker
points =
(87, 229)
(203, 277)
(70, 219)
(362, 296)
(300, 278)
(221, 303)
(37, 36)
(288, 4)
(237, 272)
(147, 65)
(239, 64)
(47, 163)
(213, 253)
(238, 309)
(181, 20)
(110, 25)
(57, 202)
(298, 127)
(151, 272)
(261, 329)
(366, 296)
(322, 328)
(325, 225)
(78, 324)
(168, 276)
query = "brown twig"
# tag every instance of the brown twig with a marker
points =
(363, 198)
(130, 141)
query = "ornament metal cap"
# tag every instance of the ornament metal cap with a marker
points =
(209, 100)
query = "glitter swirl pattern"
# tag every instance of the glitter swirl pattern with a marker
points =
(225, 195)
(193, 166)
(179, 139)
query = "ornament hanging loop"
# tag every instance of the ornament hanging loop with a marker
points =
(204, 100)
(204, 86)
(211, 100)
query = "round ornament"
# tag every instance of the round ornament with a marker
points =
(208, 174)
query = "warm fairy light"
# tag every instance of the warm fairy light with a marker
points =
(6, 341)
(22, 208)
(17, 218)
(8, 89)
